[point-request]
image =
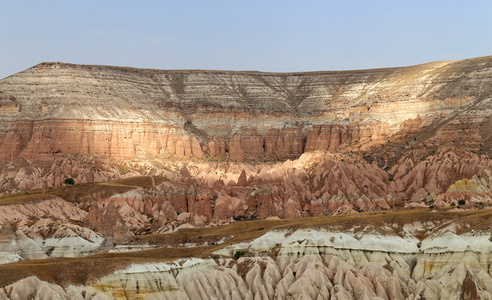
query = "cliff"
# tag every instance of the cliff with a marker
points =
(372, 184)
(55, 109)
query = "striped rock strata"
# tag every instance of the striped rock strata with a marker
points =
(55, 109)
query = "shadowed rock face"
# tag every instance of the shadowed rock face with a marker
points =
(56, 109)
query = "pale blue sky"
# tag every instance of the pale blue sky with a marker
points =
(278, 36)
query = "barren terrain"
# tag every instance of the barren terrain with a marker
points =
(372, 184)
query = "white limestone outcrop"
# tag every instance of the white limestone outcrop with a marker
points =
(303, 264)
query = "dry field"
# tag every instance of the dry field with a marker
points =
(85, 192)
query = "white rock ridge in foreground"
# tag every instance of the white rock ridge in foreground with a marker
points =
(304, 264)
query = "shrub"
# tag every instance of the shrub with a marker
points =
(69, 181)
(461, 202)
(238, 254)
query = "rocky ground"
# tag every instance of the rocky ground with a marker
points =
(412, 254)
(362, 237)
(371, 184)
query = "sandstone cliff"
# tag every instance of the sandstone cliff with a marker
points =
(55, 109)
(164, 160)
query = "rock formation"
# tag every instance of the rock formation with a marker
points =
(308, 264)
(161, 158)
(56, 109)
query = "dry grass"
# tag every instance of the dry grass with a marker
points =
(89, 192)
(83, 270)
(26, 197)
(88, 269)
(139, 181)
(85, 192)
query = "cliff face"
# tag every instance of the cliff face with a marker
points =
(192, 154)
(55, 109)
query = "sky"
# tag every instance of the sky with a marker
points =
(268, 35)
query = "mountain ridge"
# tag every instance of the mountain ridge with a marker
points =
(241, 114)
(150, 70)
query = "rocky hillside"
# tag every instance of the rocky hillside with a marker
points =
(55, 109)
(373, 184)
(392, 255)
